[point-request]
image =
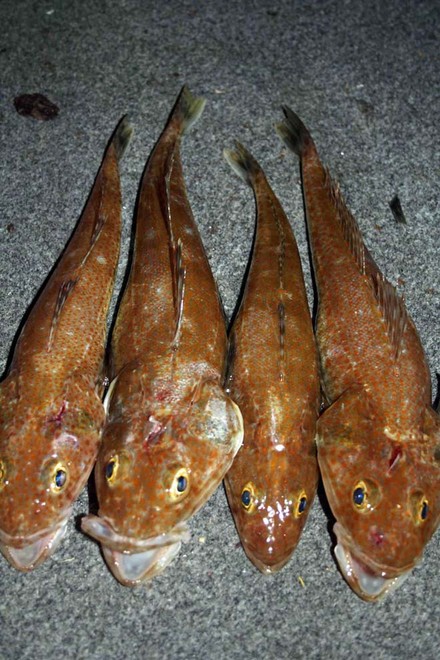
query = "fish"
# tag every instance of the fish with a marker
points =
(378, 438)
(172, 431)
(273, 377)
(51, 412)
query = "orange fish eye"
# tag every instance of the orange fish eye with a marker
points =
(248, 499)
(180, 485)
(59, 477)
(2, 474)
(301, 504)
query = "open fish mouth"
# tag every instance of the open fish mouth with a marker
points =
(132, 569)
(369, 582)
(26, 553)
(133, 561)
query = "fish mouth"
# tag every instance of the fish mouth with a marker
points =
(266, 567)
(26, 553)
(368, 580)
(134, 561)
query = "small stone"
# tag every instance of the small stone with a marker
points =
(36, 106)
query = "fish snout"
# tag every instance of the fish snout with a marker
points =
(269, 549)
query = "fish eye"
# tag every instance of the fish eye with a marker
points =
(59, 477)
(360, 496)
(180, 485)
(2, 474)
(301, 504)
(365, 495)
(248, 499)
(420, 507)
(111, 469)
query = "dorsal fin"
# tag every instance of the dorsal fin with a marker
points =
(390, 303)
(349, 225)
(98, 225)
(179, 273)
(393, 310)
(63, 293)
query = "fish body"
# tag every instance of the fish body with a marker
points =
(172, 431)
(51, 414)
(379, 438)
(273, 377)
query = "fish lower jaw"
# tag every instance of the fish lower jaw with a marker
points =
(31, 552)
(135, 568)
(134, 561)
(368, 584)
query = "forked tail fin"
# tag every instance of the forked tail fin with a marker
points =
(243, 163)
(122, 137)
(187, 109)
(293, 132)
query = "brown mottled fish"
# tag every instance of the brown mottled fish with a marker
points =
(273, 377)
(51, 414)
(379, 439)
(172, 431)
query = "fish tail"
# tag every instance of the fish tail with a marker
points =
(243, 163)
(293, 132)
(187, 109)
(122, 137)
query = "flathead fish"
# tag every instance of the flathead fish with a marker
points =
(379, 439)
(51, 414)
(172, 431)
(273, 377)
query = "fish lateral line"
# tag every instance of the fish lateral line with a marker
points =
(282, 330)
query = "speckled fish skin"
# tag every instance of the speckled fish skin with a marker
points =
(172, 431)
(274, 380)
(379, 439)
(51, 414)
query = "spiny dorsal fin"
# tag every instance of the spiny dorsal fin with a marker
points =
(349, 225)
(63, 293)
(393, 310)
(390, 303)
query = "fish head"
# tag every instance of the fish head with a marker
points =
(270, 487)
(384, 491)
(46, 456)
(156, 469)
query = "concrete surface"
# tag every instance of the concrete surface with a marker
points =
(364, 77)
